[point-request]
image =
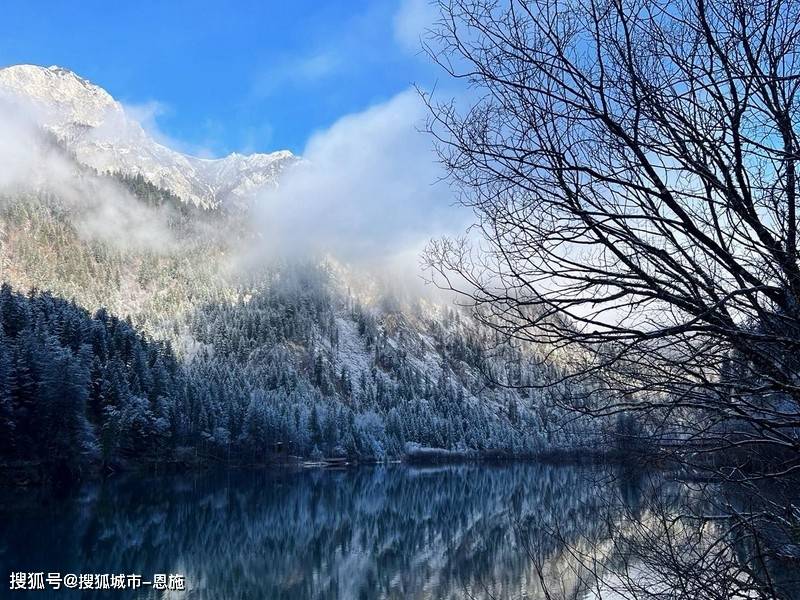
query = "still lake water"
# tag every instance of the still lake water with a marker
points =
(468, 531)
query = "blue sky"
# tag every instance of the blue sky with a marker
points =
(238, 76)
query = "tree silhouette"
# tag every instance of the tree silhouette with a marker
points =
(632, 170)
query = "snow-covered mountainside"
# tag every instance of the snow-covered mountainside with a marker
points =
(99, 132)
(310, 352)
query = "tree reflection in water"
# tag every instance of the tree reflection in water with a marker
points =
(382, 532)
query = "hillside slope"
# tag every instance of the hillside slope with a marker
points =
(307, 352)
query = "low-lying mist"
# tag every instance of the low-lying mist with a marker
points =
(368, 192)
(33, 161)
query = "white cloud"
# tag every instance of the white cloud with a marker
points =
(98, 207)
(367, 190)
(412, 19)
(316, 66)
(299, 71)
(147, 114)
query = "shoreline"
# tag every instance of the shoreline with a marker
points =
(41, 474)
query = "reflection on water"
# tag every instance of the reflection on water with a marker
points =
(378, 532)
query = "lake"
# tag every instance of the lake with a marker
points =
(465, 531)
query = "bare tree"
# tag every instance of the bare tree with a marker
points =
(632, 167)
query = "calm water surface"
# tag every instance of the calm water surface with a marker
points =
(370, 532)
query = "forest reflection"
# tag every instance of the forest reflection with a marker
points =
(378, 532)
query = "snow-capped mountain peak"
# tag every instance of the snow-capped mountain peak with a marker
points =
(98, 130)
(61, 96)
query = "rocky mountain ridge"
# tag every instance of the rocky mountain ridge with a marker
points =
(101, 133)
